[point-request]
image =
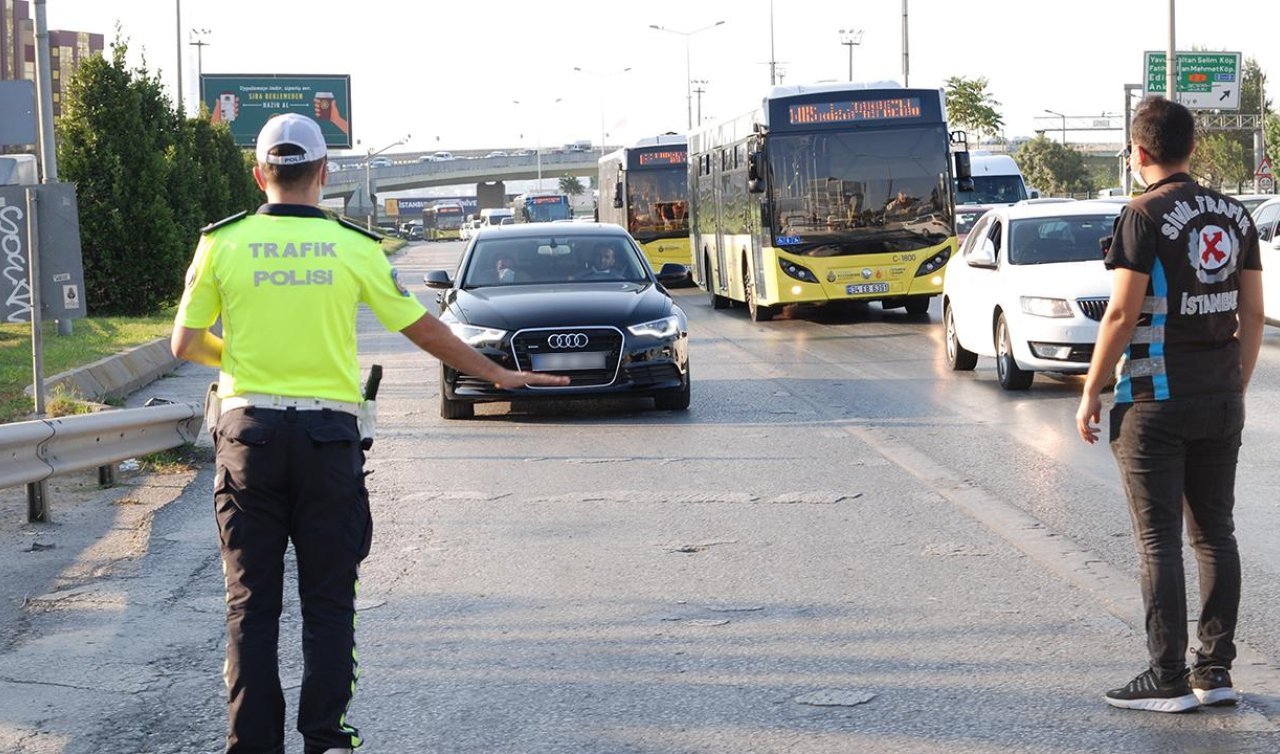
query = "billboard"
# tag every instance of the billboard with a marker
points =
(246, 101)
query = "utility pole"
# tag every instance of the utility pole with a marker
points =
(1170, 63)
(198, 42)
(906, 57)
(773, 58)
(181, 110)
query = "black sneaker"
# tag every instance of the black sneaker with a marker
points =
(1212, 686)
(1146, 692)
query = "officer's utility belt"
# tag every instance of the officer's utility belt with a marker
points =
(261, 400)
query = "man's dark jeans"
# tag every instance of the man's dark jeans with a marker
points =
(1172, 453)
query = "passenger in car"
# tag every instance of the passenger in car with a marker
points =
(602, 265)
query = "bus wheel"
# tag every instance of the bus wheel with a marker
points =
(717, 301)
(918, 304)
(758, 312)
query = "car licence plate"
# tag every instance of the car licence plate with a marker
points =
(866, 288)
(552, 362)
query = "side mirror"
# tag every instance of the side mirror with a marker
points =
(671, 273)
(437, 279)
(984, 256)
(617, 195)
(1033, 193)
(964, 171)
(755, 172)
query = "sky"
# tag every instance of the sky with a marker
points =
(449, 74)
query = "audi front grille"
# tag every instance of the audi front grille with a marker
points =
(567, 341)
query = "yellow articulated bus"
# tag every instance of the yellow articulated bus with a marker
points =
(442, 221)
(644, 189)
(827, 193)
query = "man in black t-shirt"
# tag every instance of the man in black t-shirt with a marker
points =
(1184, 326)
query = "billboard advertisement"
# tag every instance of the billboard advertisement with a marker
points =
(246, 101)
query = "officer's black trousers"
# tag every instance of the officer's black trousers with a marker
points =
(290, 475)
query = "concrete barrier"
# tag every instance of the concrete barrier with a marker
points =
(118, 375)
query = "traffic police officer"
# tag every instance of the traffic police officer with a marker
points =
(286, 283)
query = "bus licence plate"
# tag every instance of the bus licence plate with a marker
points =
(552, 362)
(866, 288)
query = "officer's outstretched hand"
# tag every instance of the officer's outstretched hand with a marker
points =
(510, 380)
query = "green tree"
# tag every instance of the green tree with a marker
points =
(570, 185)
(971, 107)
(116, 156)
(1053, 167)
(1222, 159)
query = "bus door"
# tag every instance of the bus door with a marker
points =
(720, 185)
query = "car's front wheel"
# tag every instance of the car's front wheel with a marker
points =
(959, 359)
(1011, 376)
(676, 399)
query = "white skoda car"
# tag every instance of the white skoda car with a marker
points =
(1267, 218)
(1029, 288)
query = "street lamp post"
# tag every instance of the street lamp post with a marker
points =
(688, 73)
(197, 41)
(368, 177)
(1064, 123)
(851, 38)
(601, 77)
(538, 137)
(178, 11)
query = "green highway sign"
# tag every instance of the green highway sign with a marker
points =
(1205, 80)
(246, 101)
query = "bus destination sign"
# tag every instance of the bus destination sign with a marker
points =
(852, 112)
(546, 199)
(669, 157)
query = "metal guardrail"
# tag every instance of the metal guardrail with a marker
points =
(33, 451)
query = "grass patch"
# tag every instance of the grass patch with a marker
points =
(64, 402)
(186, 457)
(93, 338)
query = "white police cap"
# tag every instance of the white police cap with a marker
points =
(290, 128)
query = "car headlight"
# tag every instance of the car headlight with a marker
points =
(1046, 307)
(477, 336)
(658, 328)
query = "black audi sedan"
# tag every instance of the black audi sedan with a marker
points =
(576, 299)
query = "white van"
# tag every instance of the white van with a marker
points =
(996, 181)
(496, 216)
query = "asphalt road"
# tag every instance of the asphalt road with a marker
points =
(840, 547)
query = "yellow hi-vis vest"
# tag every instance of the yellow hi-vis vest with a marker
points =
(287, 283)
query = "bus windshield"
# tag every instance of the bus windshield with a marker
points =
(545, 212)
(658, 203)
(993, 189)
(837, 193)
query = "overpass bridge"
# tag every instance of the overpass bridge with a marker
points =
(488, 174)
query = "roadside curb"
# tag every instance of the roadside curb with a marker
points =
(118, 375)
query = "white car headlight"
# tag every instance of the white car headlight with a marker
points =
(658, 328)
(1046, 307)
(477, 336)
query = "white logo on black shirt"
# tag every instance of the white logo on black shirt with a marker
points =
(1212, 252)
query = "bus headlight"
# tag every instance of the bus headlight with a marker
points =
(803, 274)
(933, 263)
(1045, 307)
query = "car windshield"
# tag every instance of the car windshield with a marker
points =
(993, 189)
(568, 260)
(1053, 240)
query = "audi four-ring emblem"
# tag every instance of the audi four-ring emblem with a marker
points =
(567, 340)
